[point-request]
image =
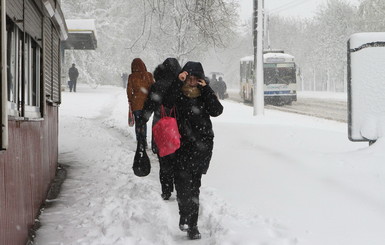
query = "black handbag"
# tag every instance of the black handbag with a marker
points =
(141, 166)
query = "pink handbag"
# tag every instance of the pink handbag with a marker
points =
(166, 134)
(131, 120)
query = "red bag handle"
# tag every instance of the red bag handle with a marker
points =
(164, 114)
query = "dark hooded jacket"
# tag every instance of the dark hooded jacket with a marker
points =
(73, 73)
(165, 74)
(193, 116)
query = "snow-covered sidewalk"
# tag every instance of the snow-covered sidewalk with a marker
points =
(280, 179)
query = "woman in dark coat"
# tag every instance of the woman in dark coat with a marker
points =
(195, 103)
(164, 75)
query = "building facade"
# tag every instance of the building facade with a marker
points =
(31, 34)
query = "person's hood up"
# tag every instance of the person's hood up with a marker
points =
(138, 65)
(194, 69)
(169, 69)
(172, 66)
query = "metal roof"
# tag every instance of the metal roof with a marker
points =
(81, 35)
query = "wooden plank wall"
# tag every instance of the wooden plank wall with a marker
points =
(29, 164)
(26, 170)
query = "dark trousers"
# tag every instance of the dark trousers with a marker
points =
(74, 81)
(140, 130)
(166, 173)
(72, 85)
(191, 161)
(187, 184)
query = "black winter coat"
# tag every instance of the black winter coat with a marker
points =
(164, 75)
(195, 127)
(73, 73)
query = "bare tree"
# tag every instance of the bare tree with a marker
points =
(152, 30)
(185, 28)
(371, 16)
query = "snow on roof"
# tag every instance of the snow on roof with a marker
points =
(278, 55)
(266, 56)
(248, 58)
(359, 39)
(81, 25)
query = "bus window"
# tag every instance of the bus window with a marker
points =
(249, 74)
(243, 70)
(279, 75)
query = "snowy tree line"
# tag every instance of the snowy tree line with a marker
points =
(210, 31)
(152, 30)
(320, 44)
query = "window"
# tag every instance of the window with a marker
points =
(279, 75)
(32, 78)
(24, 81)
(14, 47)
(249, 71)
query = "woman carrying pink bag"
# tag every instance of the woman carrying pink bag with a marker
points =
(165, 74)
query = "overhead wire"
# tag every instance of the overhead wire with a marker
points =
(288, 5)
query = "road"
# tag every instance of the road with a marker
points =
(323, 108)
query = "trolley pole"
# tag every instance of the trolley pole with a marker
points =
(258, 93)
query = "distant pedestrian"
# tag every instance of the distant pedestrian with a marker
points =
(124, 77)
(165, 74)
(138, 86)
(222, 88)
(214, 83)
(73, 74)
(195, 103)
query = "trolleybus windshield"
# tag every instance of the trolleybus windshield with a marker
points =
(279, 73)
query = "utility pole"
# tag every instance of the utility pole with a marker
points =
(258, 93)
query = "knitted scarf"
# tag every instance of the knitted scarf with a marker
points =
(191, 92)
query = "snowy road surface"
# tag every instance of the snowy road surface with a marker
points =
(276, 179)
(332, 106)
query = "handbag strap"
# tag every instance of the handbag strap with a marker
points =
(164, 114)
(173, 110)
(162, 111)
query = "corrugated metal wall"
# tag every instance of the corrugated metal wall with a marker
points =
(33, 21)
(52, 61)
(15, 11)
(56, 67)
(26, 170)
(47, 52)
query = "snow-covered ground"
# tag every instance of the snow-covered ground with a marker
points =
(338, 96)
(275, 179)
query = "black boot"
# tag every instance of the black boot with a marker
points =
(166, 196)
(183, 223)
(193, 233)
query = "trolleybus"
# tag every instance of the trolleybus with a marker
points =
(280, 86)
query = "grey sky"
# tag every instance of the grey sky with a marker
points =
(292, 8)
